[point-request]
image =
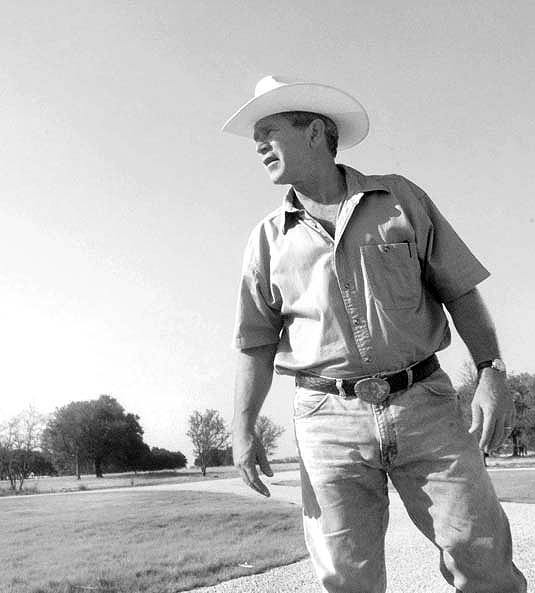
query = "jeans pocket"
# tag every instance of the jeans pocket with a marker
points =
(439, 384)
(307, 403)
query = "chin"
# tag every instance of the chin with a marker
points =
(278, 178)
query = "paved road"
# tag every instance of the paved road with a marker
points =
(412, 561)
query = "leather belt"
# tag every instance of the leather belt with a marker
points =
(373, 389)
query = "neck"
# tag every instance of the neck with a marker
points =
(326, 185)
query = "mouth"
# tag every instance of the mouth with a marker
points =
(269, 159)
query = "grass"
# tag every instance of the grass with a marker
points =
(126, 480)
(514, 485)
(137, 542)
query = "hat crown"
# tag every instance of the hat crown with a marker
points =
(269, 83)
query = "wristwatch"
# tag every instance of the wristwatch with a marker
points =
(497, 364)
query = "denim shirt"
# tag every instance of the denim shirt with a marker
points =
(367, 301)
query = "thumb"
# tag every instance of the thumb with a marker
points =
(262, 459)
(477, 419)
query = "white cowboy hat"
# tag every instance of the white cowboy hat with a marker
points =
(277, 95)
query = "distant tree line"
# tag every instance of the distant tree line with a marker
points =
(98, 436)
(83, 436)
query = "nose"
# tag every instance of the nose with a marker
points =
(262, 146)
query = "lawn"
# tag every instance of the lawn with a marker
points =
(514, 485)
(135, 541)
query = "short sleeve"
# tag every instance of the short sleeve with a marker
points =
(258, 312)
(449, 267)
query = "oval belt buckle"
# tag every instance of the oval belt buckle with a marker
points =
(373, 390)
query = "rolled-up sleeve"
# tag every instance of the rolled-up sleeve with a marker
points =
(258, 313)
(449, 268)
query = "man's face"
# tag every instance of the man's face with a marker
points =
(282, 148)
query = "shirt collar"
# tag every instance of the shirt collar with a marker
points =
(291, 210)
(356, 182)
(359, 183)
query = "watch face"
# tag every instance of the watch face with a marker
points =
(499, 365)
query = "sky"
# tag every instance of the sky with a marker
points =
(124, 210)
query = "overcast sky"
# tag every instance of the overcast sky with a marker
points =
(124, 210)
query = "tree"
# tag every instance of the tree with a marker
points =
(268, 432)
(20, 438)
(65, 435)
(96, 430)
(207, 431)
(216, 458)
(522, 387)
(158, 459)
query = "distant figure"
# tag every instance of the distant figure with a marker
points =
(344, 287)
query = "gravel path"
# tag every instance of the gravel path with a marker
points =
(412, 561)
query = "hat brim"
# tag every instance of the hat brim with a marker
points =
(347, 113)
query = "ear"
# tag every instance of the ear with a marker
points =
(316, 132)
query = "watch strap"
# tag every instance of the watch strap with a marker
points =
(485, 364)
(496, 363)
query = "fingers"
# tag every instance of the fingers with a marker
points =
(487, 434)
(248, 451)
(493, 431)
(250, 477)
(262, 459)
(477, 419)
(492, 413)
(484, 424)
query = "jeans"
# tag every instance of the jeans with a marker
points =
(418, 438)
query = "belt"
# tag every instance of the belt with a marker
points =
(373, 389)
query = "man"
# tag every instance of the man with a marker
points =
(344, 287)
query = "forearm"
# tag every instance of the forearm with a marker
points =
(474, 324)
(254, 373)
(492, 404)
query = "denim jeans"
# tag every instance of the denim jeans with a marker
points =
(418, 438)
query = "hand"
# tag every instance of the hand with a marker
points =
(247, 451)
(493, 410)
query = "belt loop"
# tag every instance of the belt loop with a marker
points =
(340, 387)
(409, 377)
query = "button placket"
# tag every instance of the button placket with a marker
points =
(355, 307)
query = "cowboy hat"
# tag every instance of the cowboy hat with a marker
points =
(277, 95)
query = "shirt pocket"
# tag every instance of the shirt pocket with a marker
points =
(393, 274)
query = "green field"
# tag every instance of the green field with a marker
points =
(135, 541)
